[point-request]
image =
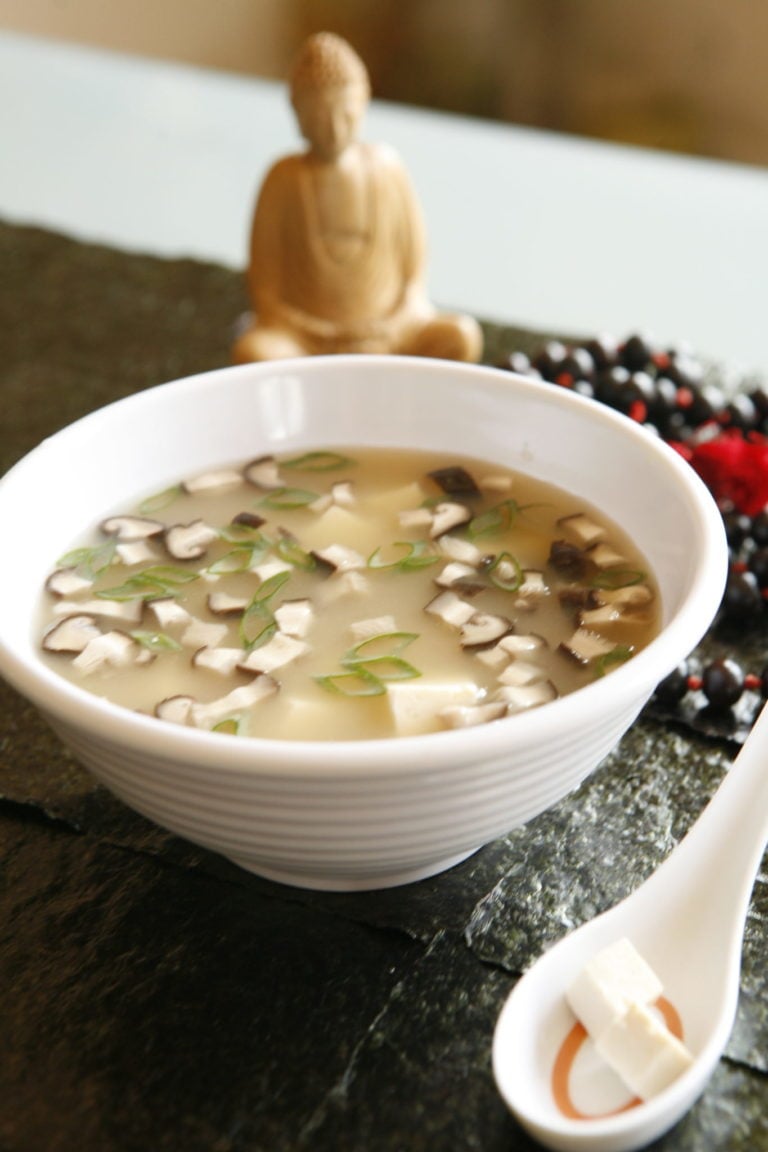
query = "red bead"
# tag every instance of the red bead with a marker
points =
(638, 411)
(565, 380)
(752, 681)
(684, 398)
(694, 683)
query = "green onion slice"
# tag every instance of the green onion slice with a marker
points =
(157, 641)
(505, 572)
(288, 548)
(383, 644)
(360, 682)
(612, 578)
(288, 498)
(160, 500)
(257, 625)
(317, 462)
(618, 655)
(384, 667)
(417, 555)
(90, 561)
(159, 580)
(230, 726)
(242, 557)
(497, 519)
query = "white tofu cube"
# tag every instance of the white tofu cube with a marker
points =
(416, 705)
(642, 1050)
(613, 979)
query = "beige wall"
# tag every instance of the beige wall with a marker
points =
(689, 75)
(237, 35)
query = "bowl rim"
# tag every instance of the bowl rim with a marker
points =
(64, 703)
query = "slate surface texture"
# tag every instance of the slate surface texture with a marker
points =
(153, 997)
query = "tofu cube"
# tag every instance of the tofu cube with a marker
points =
(642, 1050)
(613, 979)
(416, 706)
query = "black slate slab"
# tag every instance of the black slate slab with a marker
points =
(152, 995)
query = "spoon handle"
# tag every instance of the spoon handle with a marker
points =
(721, 853)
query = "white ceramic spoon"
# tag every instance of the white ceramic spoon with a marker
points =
(687, 921)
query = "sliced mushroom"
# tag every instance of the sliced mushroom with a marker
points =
(483, 629)
(71, 634)
(598, 617)
(455, 573)
(585, 645)
(294, 617)
(135, 552)
(127, 611)
(340, 558)
(568, 559)
(519, 672)
(132, 527)
(604, 555)
(175, 709)
(451, 609)
(217, 480)
(455, 481)
(631, 596)
(224, 604)
(516, 643)
(362, 630)
(263, 472)
(464, 551)
(168, 612)
(469, 715)
(446, 516)
(415, 518)
(266, 569)
(495, 483)
(224, 661)
(518, 698)
(116, 649)
(66, 582)
(189, 541)
(248, 520)
(532, 589)
(203, 634)
(237, 701)
(581, 529)
(276, 653)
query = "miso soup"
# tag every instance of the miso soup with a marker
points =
(348, 594)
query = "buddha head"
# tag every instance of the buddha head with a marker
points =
(330, 91)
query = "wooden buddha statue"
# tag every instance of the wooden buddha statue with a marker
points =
(337, 245)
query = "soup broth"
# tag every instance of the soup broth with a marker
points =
(348, 594)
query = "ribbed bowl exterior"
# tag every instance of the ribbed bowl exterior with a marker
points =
(347, 831)
(355, 814)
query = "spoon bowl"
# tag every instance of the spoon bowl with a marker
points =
(687, 921)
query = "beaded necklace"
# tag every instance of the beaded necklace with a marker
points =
(725, 439)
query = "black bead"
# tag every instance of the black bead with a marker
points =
(636, 353)
(722, 682)
(742, 599)
(758, 566)
(673, 687)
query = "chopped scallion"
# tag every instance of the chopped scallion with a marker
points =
(160, 500)
(317, 462)
(613, 578)
(417, 555)
(288, 498)
(357, 683)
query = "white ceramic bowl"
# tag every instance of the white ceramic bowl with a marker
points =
(373, 813)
